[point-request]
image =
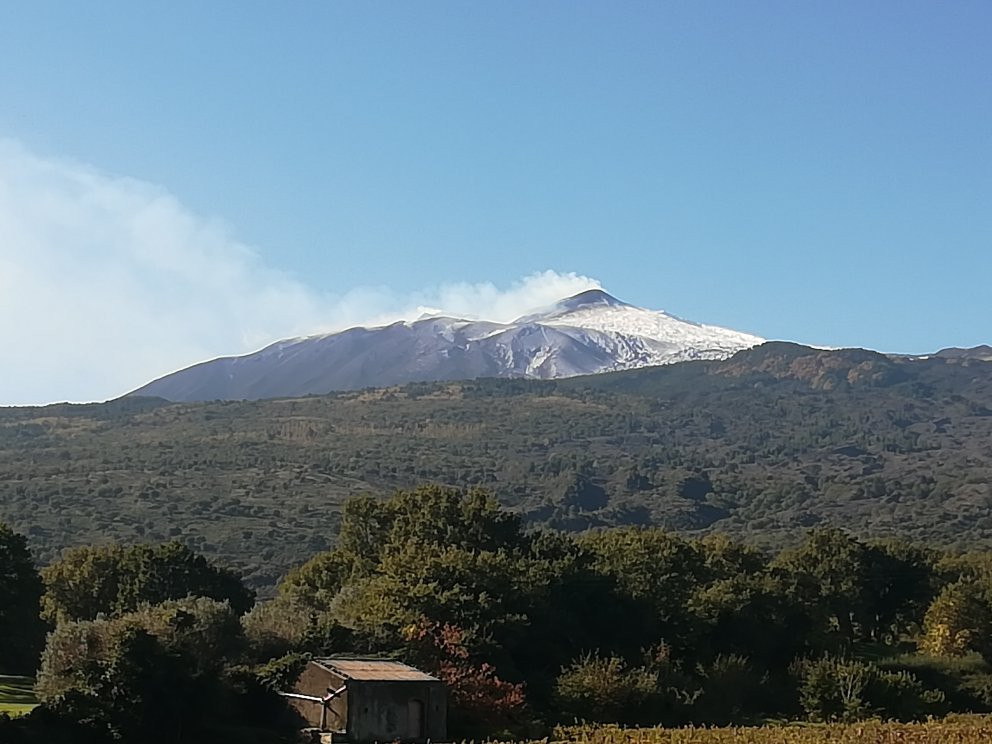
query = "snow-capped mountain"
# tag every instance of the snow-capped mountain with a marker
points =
(589, 333)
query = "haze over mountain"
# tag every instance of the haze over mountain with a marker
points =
(588, 333)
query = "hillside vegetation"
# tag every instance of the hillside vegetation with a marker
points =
(765, 445)
(529, 630)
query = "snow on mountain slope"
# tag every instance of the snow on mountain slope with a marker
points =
(589, 333)
(651, 336)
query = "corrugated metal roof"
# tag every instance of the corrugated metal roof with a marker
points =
(375, 670)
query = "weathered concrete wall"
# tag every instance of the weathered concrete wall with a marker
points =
(389, 711)
(317, 681)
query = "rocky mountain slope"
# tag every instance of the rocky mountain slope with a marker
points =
(982, 353)
(589, 333)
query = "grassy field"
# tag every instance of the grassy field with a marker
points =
(16, 695)
(955, 729)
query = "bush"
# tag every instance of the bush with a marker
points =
(114, 679)
(843, 690)
(730, 691)
(605, 690)
(902, 696)
(43, 726)
(979, 688)
(965, 680)
(280, 674)
(481, 703)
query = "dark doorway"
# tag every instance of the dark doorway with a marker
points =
(415, 719)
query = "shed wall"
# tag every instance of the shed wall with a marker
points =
(387, 711)
(318, 681)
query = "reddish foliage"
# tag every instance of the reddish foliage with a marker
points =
(473, 685)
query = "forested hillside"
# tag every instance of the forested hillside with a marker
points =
(764, 445)
(527, 629)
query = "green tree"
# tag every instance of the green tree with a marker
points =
(113, 677)
(374, 531)
(22, 631)
(751, 615)
(283, 626)
(567, 606)
(473, 590)
(830, 574)
(523, 602)
(165, 673)
(429, 515)
(656, 569)
(112, 580)
(900, 586)
(440, 553)
(726, 558)
(731, 690)
(316, 583)
(971, 566)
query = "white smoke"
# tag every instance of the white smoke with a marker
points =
(107, 282)
(486, 300)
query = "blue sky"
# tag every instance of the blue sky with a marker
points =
(820, 172)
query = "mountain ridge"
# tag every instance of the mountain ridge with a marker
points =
(982, 353)
(588, 333)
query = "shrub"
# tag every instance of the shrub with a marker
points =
(481, 702)
(844, 690)
(730, 690)
(604, 690)
(280, 674)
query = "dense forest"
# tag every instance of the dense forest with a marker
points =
(763, 446)
(528, 628)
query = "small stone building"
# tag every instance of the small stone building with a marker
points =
(371, 700)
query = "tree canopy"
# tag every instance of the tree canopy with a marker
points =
(528, 627)
(112, 580)
(22, 632)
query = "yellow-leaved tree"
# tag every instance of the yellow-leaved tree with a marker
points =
(958, 621)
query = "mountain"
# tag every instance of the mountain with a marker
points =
(763, 445)
(588, 333)
(981, 353)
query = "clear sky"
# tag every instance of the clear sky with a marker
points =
(181, 180)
